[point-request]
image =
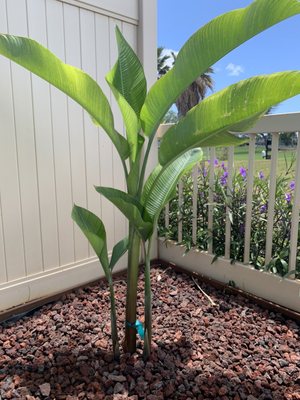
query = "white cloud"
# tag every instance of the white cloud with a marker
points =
(168, 52)
(234, 70)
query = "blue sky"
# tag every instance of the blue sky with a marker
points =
(276, 49)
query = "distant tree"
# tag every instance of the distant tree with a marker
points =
(271, 109)
(288, 139)
(162, 67)
(195, 92)
(171, 117)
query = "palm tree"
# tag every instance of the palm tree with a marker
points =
(162, 67)
(195, 92)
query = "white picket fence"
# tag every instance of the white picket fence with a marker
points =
(285, 292)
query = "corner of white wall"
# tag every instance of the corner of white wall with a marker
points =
(147, 52)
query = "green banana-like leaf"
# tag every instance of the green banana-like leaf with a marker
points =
(131, 208)
(208, 45)
(128, 84)
(131, 121)
(161, 183)
(93, 228)
(232, 109)
(223, 138)
(127, 75)
(70, 80)
(149, 183)
(227, 138)
(118, 251)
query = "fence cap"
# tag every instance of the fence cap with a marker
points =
(272, 123)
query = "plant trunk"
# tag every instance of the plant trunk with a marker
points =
(113, 321)
(132, 279)
(148, 310)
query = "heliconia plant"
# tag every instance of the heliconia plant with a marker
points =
(210, 123)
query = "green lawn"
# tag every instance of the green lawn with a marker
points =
(286, 158)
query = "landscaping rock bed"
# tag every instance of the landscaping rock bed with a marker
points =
(233, 350)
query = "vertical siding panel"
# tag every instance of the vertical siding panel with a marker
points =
(61, 138)
(22, 93)
(130, 34)
(106, 147)
(119, 182)
(128, 8)
(9, 180)
(3, 271)
(44, 142)
(88, 54)
(75, 112)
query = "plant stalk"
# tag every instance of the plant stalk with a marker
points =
(148, 304)
(113, 321)
(144, 165)
(132, 279)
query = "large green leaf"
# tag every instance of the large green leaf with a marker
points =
(118, 251)
(233, 109)
(131, 122)
(218, 138)
(70, 80)
(131, 208)
(128, 84)
(127, 75)
(206, 47)
(149, 183)
(94, 230)
(160, 185)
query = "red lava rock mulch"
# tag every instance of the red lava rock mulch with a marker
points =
(235, 350)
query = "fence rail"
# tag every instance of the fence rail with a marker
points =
(274, 125)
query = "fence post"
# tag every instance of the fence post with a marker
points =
(295, 214)
(212, 156)
(229, 202)
(272, 194)
(195, 175)
(250, 179)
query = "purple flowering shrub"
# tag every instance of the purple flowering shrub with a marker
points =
(185, 213)
(236, 202)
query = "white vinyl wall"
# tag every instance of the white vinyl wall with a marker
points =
(51, 154)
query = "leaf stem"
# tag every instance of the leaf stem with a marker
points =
(132, 278)
(113, 315)
(143, 170)
(125, 169)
